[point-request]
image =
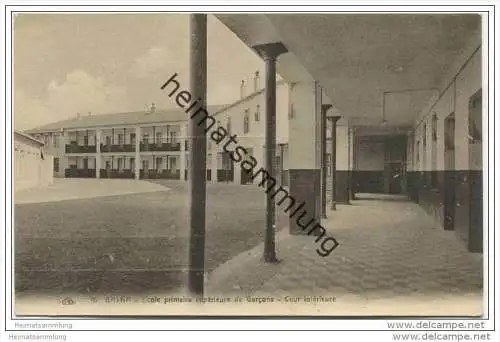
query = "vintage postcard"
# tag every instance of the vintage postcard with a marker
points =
(248, 164)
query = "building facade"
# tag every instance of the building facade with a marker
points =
(154, 144)
(31, 166)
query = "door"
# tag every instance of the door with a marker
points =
(246, 176)
(108, 169)
(449, 196)
(145, 168)
(132, 165)
(173, 164)
(395, 177)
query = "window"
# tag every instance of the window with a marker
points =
(424, 147)
(132, 163)
(449, 133)
(475, 118)
(434, 127)
(132, 138)
(434, 176)
(158, 163)
(424, 135)
(173, 137)
(145, 165)
(417, 154)
(55, 141)
(159, 138)
(145, 139)
(246, 124)
(120, 139)
(120, 164)
(56, 164)
(257, 114)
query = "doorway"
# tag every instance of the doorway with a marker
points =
(394, 177)
(449, 188)
(145, 168)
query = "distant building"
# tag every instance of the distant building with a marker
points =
(154, 143)
(32, 168)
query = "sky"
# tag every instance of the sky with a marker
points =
(66, 64)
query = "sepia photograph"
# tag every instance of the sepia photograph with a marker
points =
(233, 164)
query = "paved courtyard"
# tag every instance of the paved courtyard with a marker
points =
(390, 252)
(128, 241)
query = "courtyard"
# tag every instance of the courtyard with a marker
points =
(131, 241)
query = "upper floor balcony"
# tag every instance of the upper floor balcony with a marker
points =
(107, 148)
(159, 145)
(73, 147)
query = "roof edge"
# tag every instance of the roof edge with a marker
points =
(29, 137)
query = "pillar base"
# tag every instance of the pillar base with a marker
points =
(305, 186)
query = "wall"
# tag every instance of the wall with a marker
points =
(449, 193)
(30, 170)
(254, 139)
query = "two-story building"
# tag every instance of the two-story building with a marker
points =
(154, 143)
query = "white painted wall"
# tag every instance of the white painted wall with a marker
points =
(454, 99)
(30, 170)
(305, 126)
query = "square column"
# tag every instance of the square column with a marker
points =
(182, 160)
(237, 173)
(342, 174)
(214, 163)
(304, 159)
(324, 159)
(98, 153)
(137, 153)
(63, 161)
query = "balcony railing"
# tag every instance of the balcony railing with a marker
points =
(117, 148)
(74, 148)
(79, 173)
(160, 174)
(115, 173)
(160, 146)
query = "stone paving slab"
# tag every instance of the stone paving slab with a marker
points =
(69, 189)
